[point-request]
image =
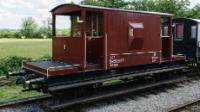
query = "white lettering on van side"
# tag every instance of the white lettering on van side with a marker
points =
(114, 62)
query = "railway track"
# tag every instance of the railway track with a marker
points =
(181, 107)
(3, 81)
(25, 101)
(111, 93)
(121, 90)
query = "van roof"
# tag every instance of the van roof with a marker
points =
(111, 9)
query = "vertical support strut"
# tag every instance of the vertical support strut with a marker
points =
(105, 42)
(106, 58)
(83, 32)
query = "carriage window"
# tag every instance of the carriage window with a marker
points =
(63, 29)
(179, 32)
(165, 31)
(164, 25)
(68, 25)
(94, 24)
(193, 31)
(130, 32)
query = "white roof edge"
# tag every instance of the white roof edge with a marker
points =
(115, 9)
(196, 20)
(191, 19)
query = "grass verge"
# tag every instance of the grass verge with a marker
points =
(11, 93)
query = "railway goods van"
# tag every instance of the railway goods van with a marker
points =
(103, 44)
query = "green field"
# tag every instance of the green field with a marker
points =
(30, 48)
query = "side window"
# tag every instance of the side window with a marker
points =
(164, 27)
(193, 31)
(94, 24)
(130, 32)
(179, 31)
(63, 25)
(165, 31)
(68, 25)
(75, 26)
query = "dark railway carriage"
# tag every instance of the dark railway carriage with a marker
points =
(186, 33)
(104, 44)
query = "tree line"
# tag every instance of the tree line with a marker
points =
(180, 8)
(29, 29)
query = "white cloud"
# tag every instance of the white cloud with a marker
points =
(15, 4)
(75, 1)
(10, 20)
(43, 4)
(12, 11)
(194, 2)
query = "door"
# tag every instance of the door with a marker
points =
(166, 39)
(67, 39)
(94, 38)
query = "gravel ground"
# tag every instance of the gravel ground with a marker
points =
(24, 108)
(160, 102)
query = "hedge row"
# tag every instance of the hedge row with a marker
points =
(14, 63)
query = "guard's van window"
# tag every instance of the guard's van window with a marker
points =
(193, 31)
(179, 31)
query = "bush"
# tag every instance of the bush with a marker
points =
(14, 63)
(46, 57)
(11, 63)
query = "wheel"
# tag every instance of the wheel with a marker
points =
(25, 78)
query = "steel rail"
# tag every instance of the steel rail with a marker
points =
(88, 99)
(184, 105)
(25, 101)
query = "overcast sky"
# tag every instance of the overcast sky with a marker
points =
(12, 11)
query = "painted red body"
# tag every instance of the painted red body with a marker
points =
(116, 47)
